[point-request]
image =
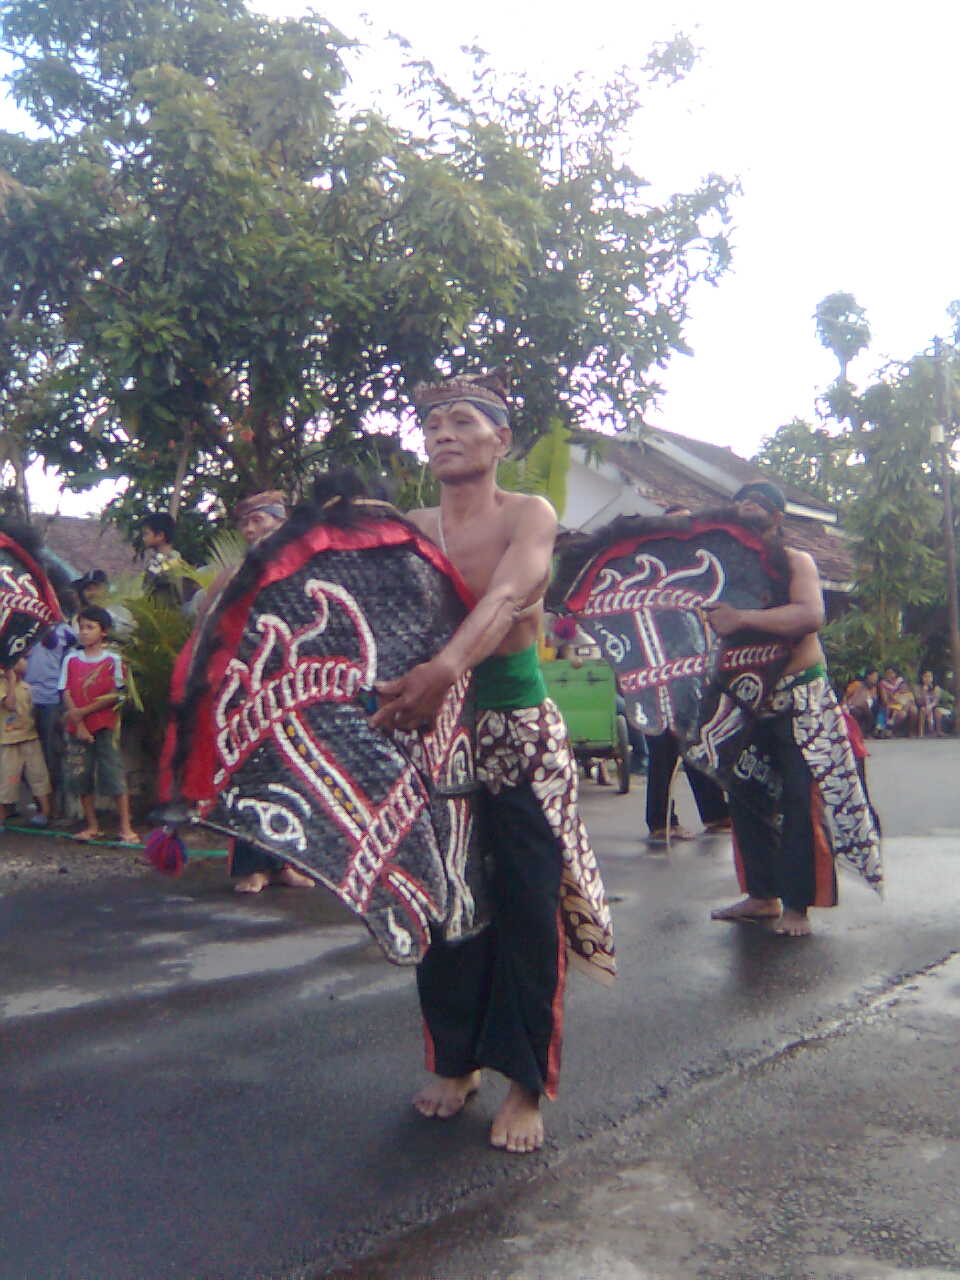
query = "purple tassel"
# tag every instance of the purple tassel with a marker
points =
(165, 851)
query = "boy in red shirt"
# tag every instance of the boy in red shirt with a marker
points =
(93, 685)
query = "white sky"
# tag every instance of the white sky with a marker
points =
(835, 116)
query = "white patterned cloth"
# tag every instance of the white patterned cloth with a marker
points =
(820, 732)
(531, 744)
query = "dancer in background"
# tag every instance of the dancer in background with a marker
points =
(801, 727)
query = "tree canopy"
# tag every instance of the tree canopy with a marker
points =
(215, 273)
(842, 328)
(814, 459)
(873, 457)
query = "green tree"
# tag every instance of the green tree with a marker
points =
(603, 288)
(814, 459)
(214, 275)
(842, 328)
(875, 461)
(897, 513)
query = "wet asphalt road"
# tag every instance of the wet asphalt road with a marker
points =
(197, 1085)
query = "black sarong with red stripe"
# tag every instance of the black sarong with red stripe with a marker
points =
(496, 1000)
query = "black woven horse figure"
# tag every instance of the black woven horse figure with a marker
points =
(272, 739)
(638, 585)
(28, 605)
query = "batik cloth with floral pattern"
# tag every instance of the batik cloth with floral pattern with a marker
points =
(530, 744)
(821, 734)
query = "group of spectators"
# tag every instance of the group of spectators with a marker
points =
(889, 706)
(61, 711)
(60, 703)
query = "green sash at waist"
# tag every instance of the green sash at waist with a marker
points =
(508, 681)
(805, 677)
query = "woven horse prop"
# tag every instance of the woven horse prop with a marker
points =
(28, 605)
(271, 743)
(638, 587)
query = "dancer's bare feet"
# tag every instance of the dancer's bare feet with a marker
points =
(660, 836)
(130, 836)
(793, 924)
(293, 878)
(443, 1097)
(89, 833)
(749, 909)
(254, 883)
(518, 1125)
(719, 827)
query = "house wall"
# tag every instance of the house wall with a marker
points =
(596, 494)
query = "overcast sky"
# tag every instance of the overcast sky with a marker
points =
(836, 118)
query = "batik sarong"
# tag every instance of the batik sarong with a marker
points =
(496, 1000)
(531, 745)
(821, 800)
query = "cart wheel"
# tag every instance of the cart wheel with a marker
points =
(623, 756)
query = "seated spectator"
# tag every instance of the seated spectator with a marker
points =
(862, 700)
(898, 703)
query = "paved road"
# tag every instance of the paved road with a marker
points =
(198, 1085)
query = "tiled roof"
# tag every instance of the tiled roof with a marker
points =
(666, 482)
(740, 469)
(85, 543)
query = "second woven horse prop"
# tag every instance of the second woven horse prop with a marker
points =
(638, 587)
(28, 605)
(271, 741)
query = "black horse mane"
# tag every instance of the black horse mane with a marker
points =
(576, 550)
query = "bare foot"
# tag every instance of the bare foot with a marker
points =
(89, 833)
(130, 837)
(793, 924)
(293, 878)
(676, 833)
(518, 1125)
(255, 883)
(443, 1097)
(748, 909)
(721, 826)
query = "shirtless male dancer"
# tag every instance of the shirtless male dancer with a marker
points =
(495, 1000)
(784, 876)
(255, 518)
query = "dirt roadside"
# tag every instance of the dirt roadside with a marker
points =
(30, 861)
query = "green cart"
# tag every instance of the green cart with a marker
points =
(587, 698)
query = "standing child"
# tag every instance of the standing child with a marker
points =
(93, 685)
(20, 751)
(44, 663)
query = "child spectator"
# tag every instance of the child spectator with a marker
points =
(20, 752)
(93, 685)
(44, 663)
(164, 577)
